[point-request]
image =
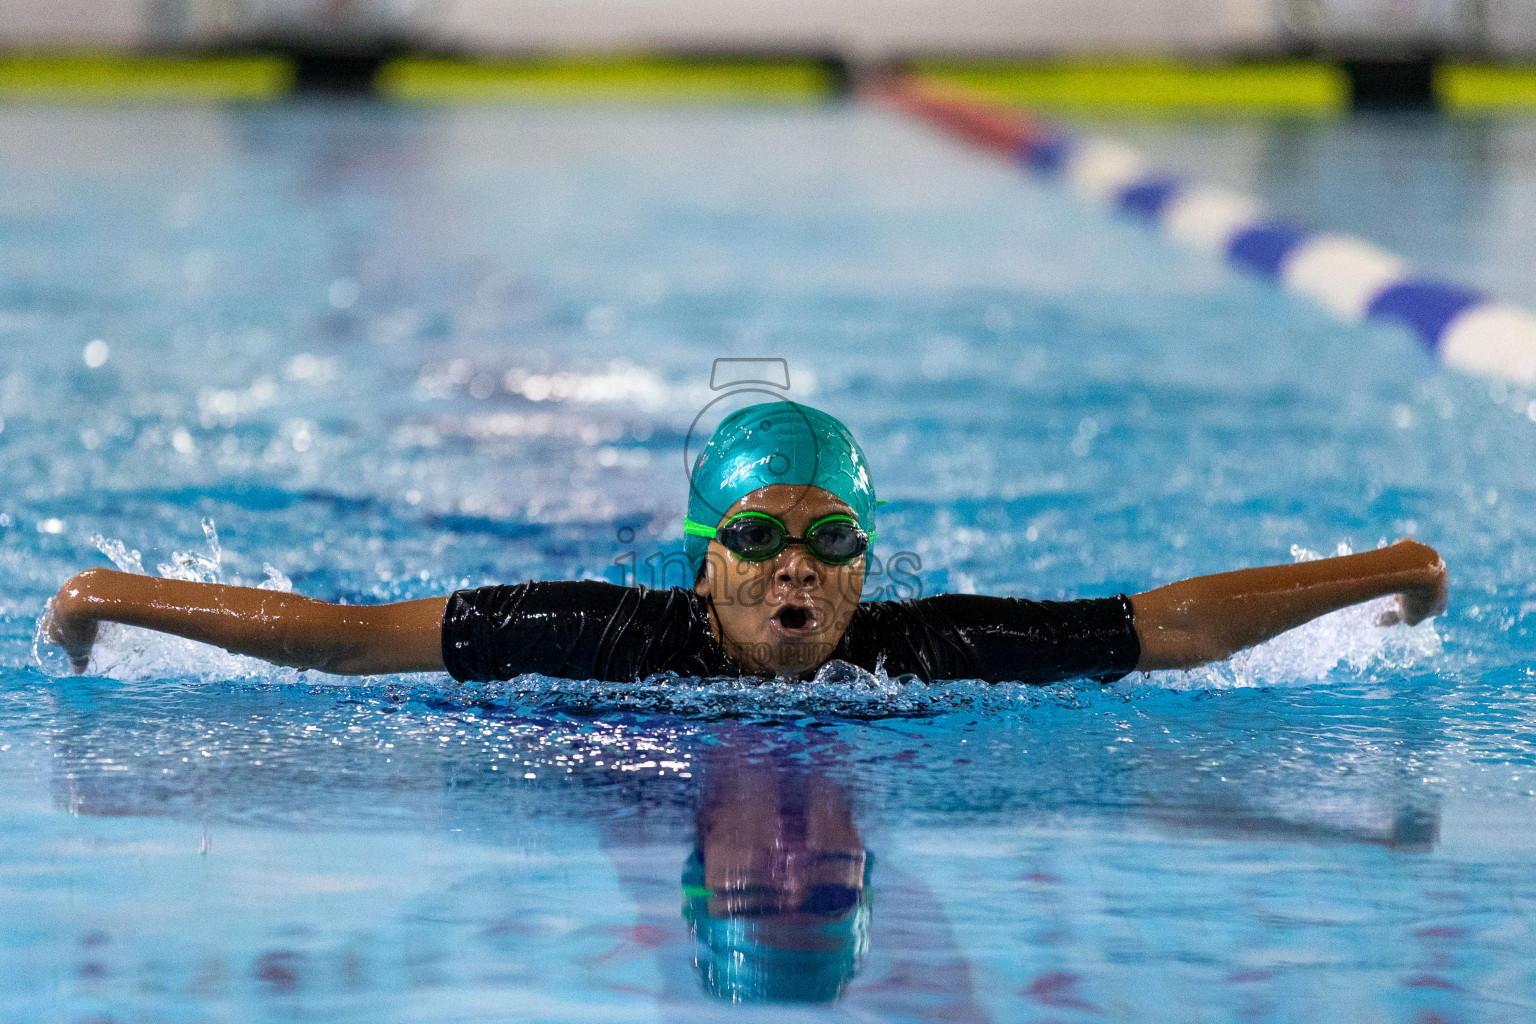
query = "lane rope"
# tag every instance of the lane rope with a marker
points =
(1354, 279)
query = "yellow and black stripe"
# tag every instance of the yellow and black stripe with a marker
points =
(1309, 88)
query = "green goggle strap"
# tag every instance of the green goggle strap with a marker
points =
(699, 529)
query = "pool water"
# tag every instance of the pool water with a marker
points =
(380, 353)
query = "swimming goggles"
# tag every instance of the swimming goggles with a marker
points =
(757, 536)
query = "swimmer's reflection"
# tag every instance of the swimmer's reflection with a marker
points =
(776, 889)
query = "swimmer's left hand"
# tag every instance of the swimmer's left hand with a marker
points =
(1428, 597)
(67, 625)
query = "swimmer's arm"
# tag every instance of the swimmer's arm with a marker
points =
(1209, 618)
(285, 629)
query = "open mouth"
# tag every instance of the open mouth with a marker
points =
(793, 618)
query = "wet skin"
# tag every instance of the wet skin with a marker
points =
(782, 616)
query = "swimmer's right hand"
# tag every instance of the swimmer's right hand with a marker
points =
(68, 625)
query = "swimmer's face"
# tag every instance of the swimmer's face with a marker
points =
(782, 616)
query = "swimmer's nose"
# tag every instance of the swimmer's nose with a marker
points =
(798, 570)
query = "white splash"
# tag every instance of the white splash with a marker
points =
(838, 689)
(196, 568)
(275, 580)
(1350, 638)
(130, 653)
(119, 555)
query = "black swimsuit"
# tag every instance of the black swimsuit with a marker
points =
(594, 630)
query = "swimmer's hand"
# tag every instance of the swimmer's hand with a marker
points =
(1424, 601)
(1209, 618)
(66, 626)
(285, 629)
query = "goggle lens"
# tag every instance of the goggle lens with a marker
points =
(754, 538)
(836, 542)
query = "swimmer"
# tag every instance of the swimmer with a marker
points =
(781, 513)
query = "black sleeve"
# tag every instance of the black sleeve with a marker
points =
(997, 639)
(583, 629)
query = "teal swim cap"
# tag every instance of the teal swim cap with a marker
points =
(776, 443)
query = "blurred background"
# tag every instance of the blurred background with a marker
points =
(862, 28)
(1385, 48)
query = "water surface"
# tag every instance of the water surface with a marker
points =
(388, 352)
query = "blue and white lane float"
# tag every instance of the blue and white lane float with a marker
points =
(1356, 280)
